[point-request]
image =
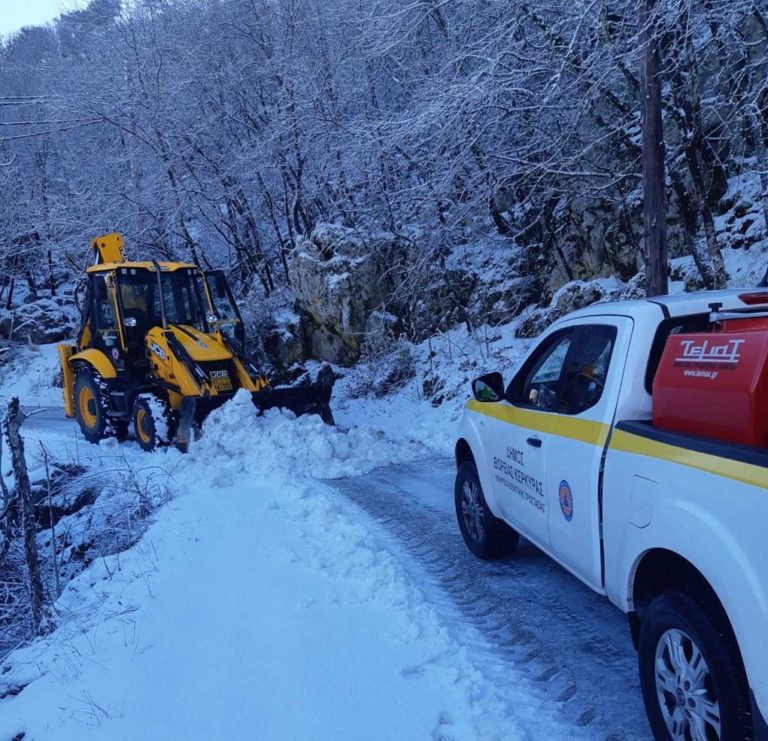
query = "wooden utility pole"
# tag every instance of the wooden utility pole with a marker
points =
(654, 202)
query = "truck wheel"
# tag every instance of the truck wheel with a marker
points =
(691, 675)
(90, 410)
(151, 422)
(485, 535)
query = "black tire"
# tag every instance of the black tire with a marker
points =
(152, 423)
(675, 625)
(90, 408)
(485, 535)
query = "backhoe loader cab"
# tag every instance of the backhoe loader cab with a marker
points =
(160, 346)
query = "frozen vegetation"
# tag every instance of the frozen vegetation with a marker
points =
(411, 191)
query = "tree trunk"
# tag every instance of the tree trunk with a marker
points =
(654, 202)
(9, 301)
(688, 215)
(41, 618)
(5, 512)
(51, 279)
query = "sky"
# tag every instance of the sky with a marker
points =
(17, 13)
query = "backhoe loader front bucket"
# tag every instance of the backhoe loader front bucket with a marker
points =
(313, 399)
(308, 399)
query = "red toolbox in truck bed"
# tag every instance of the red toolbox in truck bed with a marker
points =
(715, 384)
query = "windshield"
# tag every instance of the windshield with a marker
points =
(183, 297)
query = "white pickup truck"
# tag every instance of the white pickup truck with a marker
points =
(671, 527)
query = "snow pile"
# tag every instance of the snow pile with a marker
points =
(279, 443)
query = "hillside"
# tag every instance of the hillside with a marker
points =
(402, 196)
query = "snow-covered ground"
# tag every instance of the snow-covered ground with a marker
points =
(261, 602)
(301, 581)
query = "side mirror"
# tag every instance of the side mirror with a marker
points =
(489, 387)
(212, 319)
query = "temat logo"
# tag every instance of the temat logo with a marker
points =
(707, 351)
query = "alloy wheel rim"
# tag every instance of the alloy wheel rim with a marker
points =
(685, 689)
(142, 426)
(472, 510)
(86, 399)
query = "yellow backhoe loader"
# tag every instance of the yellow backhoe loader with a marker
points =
(161, 344)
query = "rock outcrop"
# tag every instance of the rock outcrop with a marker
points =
(42, 321)
(339, 279)
(578, 295)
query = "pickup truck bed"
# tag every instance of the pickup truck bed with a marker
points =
(697, 451)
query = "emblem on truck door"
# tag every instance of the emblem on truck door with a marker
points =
(566, 500)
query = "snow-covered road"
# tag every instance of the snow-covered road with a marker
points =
(573, 645)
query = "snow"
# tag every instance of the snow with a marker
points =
(158, 411)
(304, 446)
(260, 603)
(746, 267)
(32, 374)
(450, 360)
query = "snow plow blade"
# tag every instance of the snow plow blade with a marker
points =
(314, 399)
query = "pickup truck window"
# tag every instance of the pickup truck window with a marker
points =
(567, 372)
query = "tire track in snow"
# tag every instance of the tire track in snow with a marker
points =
(534, 617)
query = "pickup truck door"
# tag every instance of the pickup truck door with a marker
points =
(514, 438)
(567, 392)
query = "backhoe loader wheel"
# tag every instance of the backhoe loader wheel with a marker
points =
(90, 410)
(151, 422)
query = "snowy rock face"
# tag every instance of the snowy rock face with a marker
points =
(40, 322)
(283, 344)
(358, 292)
(595, 238)
(578, 295)
(339, 279)
(592, 242)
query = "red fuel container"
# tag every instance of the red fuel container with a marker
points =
(715, 384)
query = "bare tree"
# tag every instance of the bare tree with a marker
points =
(41, 615)
(226, 130)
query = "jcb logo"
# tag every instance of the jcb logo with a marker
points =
(155, 348)
(219, 374)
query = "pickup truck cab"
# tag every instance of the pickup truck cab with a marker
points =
(669, 526)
